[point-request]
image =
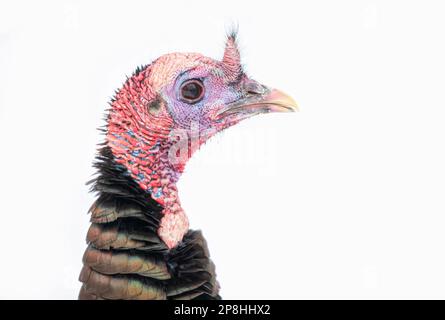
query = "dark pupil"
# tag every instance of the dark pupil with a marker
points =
(191, 91)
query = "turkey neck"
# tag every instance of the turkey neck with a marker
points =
(147, 159)
(125, 257)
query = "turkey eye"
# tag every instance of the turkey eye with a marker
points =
(192, 91)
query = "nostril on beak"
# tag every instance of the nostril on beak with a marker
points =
(252, 87)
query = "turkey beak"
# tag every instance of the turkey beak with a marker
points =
(258, 99)
(278, 101)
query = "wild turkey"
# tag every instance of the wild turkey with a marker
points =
(139, 242)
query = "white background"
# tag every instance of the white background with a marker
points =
(342, 200)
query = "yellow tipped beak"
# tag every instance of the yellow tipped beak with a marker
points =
(261, 100)
(279, 101)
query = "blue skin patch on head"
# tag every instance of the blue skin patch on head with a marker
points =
(119, 137)
(157, 194)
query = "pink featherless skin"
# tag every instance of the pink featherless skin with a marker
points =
(140, 244)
